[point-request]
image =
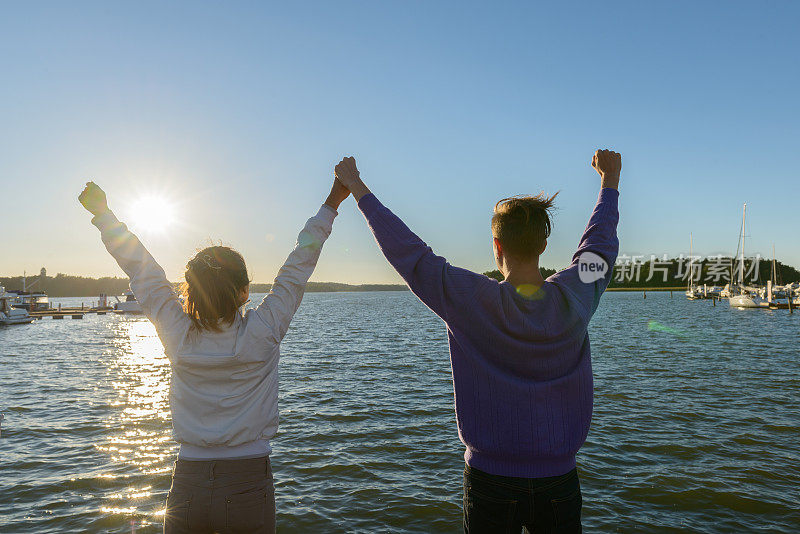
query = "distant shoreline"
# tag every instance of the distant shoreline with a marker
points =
(335, 287)
(678, 288)
(70, 286)
(63, 285)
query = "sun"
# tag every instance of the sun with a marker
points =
(152, 214)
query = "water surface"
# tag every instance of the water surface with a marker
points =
(696, 424)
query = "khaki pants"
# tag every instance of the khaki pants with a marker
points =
(224, 496)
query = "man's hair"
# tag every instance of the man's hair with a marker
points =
(214, 278)
(522, 223)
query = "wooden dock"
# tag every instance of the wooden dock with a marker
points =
(74, 313)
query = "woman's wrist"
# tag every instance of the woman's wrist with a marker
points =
(333, 202)
(103, 211)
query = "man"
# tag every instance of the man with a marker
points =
(519, 351)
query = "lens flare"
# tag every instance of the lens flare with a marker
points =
(655, 326)
(530, 291)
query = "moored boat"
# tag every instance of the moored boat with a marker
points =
(31, 301)
(740, 295)
(10, 315)
(692, 291)
(129, 305)
(747, 299)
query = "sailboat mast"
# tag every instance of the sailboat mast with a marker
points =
(774, 274)
(690, 262)
(741, 258)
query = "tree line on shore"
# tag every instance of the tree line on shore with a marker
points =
(65, 285)
(646, 272)
(628, 273)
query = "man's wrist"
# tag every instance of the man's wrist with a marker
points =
(609, 182)
(359, 190)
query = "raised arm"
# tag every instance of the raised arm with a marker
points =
(148, 281)
(439, 285)
(590, 271)
(280, 305)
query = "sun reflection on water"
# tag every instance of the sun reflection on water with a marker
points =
(140, 439)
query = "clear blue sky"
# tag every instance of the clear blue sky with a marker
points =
(238, 112)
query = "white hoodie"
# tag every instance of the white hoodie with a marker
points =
(224, 385)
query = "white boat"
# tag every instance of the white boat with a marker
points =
(776, 294)
(748, 300)
(31, 301)
(129, 305)
(692, 291)
(742, 296)
(10, 315)
(794, 293)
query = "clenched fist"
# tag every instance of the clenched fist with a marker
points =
(93, 199)
(608, 164)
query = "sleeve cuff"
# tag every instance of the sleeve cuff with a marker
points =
(368, 203)
(608, 198)
(105, 220)
(608, 193)
(327, 213)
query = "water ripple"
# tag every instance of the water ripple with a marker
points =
(696, 430)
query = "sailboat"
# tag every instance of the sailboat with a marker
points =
(742, 296)
(777, 296)
(692, 291)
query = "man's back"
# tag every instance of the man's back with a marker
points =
(519, 350)
(521, 364)
(523, 382)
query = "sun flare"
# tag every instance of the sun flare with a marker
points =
(152, 214)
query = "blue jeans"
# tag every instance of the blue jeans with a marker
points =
(496, 504)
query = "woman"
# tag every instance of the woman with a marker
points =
(224, 384)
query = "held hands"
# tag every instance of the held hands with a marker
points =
(338, 194)
(347, 173)
(93, 199)
(347, 180)
(608, 164)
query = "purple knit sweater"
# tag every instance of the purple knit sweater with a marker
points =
(522, 369)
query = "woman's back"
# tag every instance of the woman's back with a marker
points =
(224, 383)
(224, 387)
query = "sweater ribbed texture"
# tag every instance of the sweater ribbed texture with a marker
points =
(522, 370)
